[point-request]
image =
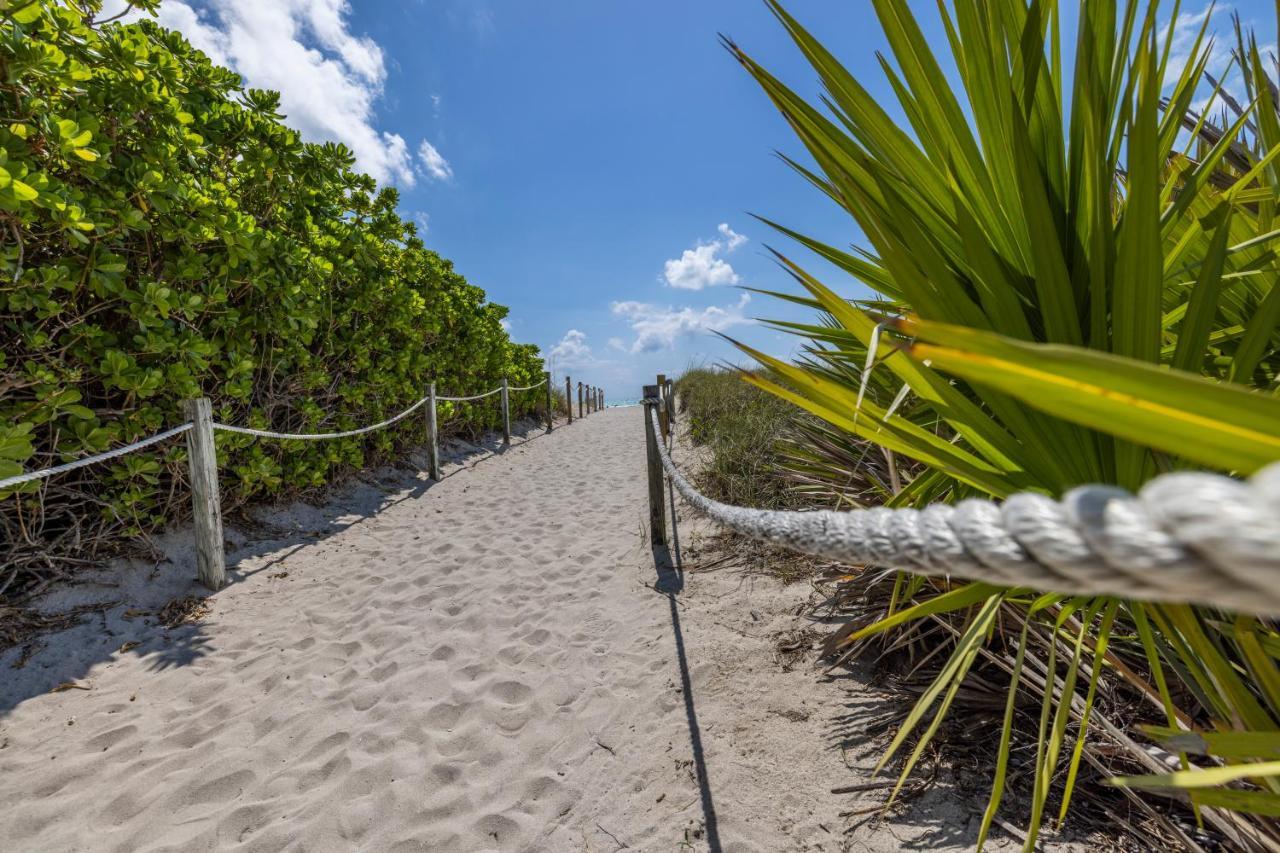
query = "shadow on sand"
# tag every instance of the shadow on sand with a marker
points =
(670, 582)
(123, 599)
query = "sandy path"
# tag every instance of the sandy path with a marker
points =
(479, 664)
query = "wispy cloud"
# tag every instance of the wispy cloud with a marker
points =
(1220, 43)
(657, 327)
(329, 78)
(1186, 28)
(702, 265)
(435, 164)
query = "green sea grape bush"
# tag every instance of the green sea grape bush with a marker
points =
(164, 234)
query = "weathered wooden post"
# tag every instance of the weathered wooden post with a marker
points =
(568, 396)
(205, 500)
(657, 508)
(662, 406)
(433, 443)
(671, 404)
(550, 414)
(506, 413)
(580, 412)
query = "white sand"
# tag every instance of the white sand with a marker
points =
(479, 664)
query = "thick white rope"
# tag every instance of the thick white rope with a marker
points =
(263, 433)
(1185, 537)
(530, 387)
(92, 460)
(469, 399)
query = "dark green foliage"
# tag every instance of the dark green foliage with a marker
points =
(165, 235)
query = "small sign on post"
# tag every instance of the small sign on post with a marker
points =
(433, 444)
(205, 499)
(506, 413)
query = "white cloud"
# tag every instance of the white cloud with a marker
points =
(435, 164)
(572, 350)
(505, 324)
(618, 344)
(329, 78)
(702, 265)
(1219, 43)
(1186, 27)
(658, 328)
(733, 239)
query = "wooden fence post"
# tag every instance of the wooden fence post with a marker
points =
(506, 413)
(671, 404)
(433, 443)
(657, 508)
(662, 406)
(550, 414)
(205, 500)
(568, 396)
(580, 412)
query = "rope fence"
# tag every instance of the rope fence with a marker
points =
(472, 397)
(318, 436)
(203, 464)
(18, 480)
(1185, 537)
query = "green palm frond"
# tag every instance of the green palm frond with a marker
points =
(1074, 277)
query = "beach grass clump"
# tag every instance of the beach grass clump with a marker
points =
(743, 430)
(165, 235)
(1069, 277)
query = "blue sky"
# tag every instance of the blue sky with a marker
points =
(592, 165)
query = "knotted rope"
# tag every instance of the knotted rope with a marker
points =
(1185, 537)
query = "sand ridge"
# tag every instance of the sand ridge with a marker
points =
(491, 662)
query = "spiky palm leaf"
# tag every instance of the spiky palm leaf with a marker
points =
(1072, 298)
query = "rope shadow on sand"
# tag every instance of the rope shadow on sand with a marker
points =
(670, 582)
